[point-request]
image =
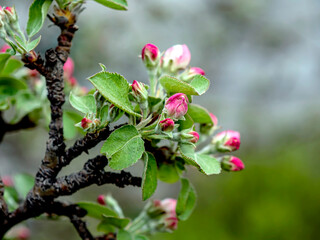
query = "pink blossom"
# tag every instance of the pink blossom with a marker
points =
(101, 200)
(23, 233)
(169, 206)
(73, 81)
(229, 139)
(139, 91)
(178, 55)
(4, 48)
(7, 181)
(10, 9)
(171, 223)
(68, 67)
(195, 136)
(177, 105)
(196, 71)
(167, 125)
(214, 119)
(86, 123)
(237, 164)
(150, 51)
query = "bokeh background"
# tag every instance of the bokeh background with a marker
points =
(262, 58)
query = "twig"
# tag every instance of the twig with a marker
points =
(24, 123)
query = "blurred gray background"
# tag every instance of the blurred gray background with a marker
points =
(262, 58)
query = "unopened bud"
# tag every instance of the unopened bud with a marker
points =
(189, 74)
(177, 106)
(101, 200)
(227, 141)
(68, 67)
(195, 138)
(4, 48)
(7, 181)
(231, 163)
(11, 14)
(30, 57)
(167, 125)
(86, 123)
(139, 91)
(150, 55)
(176, 58)
(171, 223)
(23, 233)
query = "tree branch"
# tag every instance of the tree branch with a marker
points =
(92, 173)
(24, 123)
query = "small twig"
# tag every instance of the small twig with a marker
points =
(92, 173)
(24, 123)
(74, 213)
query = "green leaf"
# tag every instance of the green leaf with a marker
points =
(105, 228)
(37, 14)
(85, 104)
(186, 200)
(20, 43)
(199, 114)
(115, 89)
(197, 86)
(96, 210)
(114, 4)
(124, 146)
(124, 235)
(11, 66)
(209, 165)
(4, 57)
(168, 173)
(140, 237)
(187, 123)
(9, 86)
(33, 44)
(149, 178)
(11, 197)
(23, 184)
(115, 221)
(69, 120)
(25, 103)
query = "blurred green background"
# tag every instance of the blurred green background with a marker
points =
(262, 58)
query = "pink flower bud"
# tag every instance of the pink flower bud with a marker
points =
(68, 67)
(237, 164)
(176, 58)
(11, 14)
(227, 140)
(73, 81)
(86, 123)
(214, 119)
(167, 125)
(4, 48)
(7, 181)
(231, 163)
(177, 105)
(101, 200)
(33, 73)
(171, 223)
(23, 233)
(139, 91)
(196, 71)
(10, 9)
(150, 51)
(195, 136)
(168, 205)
